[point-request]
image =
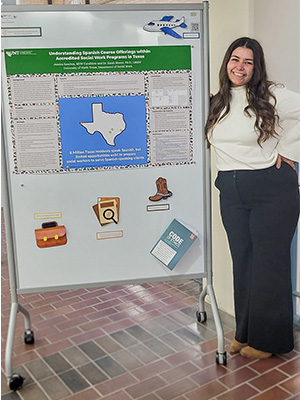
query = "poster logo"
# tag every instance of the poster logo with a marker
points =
(11, 53)
(166, 25)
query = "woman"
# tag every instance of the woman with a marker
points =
(259, 195)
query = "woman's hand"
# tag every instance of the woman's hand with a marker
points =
(286, 160)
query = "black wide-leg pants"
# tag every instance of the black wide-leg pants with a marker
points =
(260, 210)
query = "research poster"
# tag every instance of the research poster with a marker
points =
(74, 109)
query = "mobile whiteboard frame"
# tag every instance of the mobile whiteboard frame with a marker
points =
(15, 381)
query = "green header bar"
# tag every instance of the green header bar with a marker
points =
(100, 59)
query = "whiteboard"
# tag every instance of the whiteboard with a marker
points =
(58, 63)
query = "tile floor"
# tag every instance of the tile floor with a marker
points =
(135, 342)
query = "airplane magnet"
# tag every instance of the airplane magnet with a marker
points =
(166, 25)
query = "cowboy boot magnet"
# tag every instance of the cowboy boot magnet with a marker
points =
(162, 190)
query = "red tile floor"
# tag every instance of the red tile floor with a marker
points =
(134, 342)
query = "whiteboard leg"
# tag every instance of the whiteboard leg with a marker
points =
(201, 313)
(26, 316)
(15, 381)
(202, 298)
(221, 356)
(217, 319)
(10, 339)
(28, 335)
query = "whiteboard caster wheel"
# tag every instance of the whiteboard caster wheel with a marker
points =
(221, 358)
(16, 382)
(201, 316)
(29, 337)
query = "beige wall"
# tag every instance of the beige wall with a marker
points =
(280, 38)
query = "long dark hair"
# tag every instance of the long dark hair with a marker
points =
(257, 90)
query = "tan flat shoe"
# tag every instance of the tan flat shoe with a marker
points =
(250, 352)
(236, 346)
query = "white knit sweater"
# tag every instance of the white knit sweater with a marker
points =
(235, 140)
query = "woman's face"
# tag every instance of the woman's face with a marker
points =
(240, 66)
